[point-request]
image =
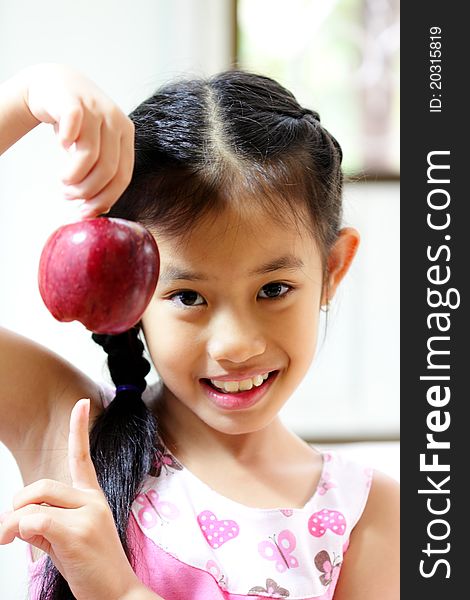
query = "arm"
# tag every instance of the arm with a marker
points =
(15, 117)
(371, 564)
(26, 366)
(36, 389)
(140, 592)
(98, 140)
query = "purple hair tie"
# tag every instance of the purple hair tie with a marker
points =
(129, 387)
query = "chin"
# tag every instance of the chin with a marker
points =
(239, 424)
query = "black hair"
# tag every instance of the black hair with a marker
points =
(201, 146)
(123, 444)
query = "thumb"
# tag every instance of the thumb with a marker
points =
(81, 466)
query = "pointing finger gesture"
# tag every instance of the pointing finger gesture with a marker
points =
(81, 467)
(74, 524)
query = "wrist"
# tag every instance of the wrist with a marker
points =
(15, 117)
(140, 592)
(129, 587)
(23, 79)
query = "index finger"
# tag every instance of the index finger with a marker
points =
(69, 125)
(81, 466)
(86, 152)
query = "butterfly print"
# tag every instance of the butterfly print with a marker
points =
(325, 484)
(327, 566)
(280, 550)
(165, 461)
(287, 512)
(213, 568)
(272, 588)
(155, 509)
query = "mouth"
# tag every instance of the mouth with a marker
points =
(237, 400)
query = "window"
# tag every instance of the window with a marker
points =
(340, 57)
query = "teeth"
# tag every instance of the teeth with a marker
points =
(244, 385)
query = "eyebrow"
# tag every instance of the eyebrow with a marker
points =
(288, 262)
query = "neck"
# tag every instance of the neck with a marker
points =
(192, 440)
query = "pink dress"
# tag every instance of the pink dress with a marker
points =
(192, 543)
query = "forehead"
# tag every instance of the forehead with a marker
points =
(238, 242)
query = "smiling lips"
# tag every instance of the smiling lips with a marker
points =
(237, 386)
(238, 399)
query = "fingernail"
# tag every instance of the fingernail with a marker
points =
(66, 143)
(67, 189)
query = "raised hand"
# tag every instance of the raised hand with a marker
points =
(98, 136)
(74, 524)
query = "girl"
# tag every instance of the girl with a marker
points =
(199, 487)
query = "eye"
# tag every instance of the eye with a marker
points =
(186, 298)
(273, 290)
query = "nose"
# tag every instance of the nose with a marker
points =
(235, 338)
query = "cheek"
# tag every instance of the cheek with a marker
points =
(300, 335)
(170, 342)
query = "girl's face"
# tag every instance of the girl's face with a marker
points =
(238, 299)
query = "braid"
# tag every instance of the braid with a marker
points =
(124, 445)
(124, 438)
(126, 362)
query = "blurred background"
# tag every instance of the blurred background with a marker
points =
(340, 58)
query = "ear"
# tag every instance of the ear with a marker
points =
(339, 260)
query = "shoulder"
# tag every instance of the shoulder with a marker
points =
(384, 495)
(348, 482)
(371, 564)
(378, 525)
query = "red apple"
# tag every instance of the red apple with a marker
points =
(101, 272)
